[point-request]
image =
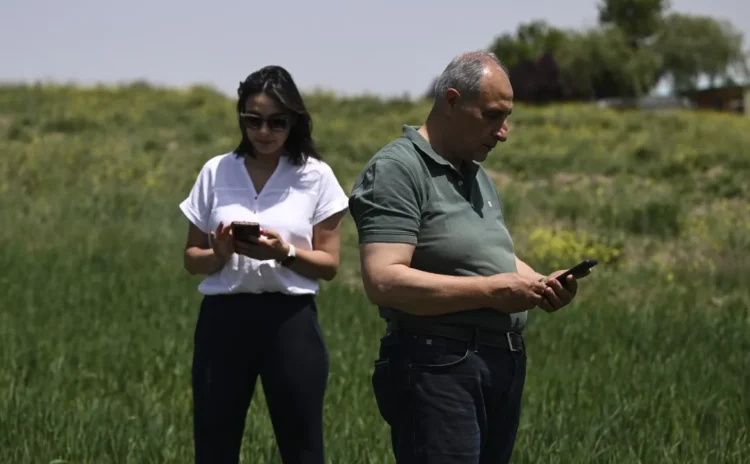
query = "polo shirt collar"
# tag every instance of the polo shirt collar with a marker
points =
(412, 134)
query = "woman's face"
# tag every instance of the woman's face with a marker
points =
(267, 124)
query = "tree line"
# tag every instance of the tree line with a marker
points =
(635, 45)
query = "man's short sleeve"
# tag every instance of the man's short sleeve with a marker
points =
(386, 203)
(197, 206)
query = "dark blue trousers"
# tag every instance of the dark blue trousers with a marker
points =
(449, 401)
(276, 337)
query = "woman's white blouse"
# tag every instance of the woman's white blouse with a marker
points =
(294, 199)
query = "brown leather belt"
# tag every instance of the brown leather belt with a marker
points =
(513, 341)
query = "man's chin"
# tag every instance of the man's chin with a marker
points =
(481, 156)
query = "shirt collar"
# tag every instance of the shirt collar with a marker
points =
(411, 133)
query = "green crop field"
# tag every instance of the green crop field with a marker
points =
(651, 363)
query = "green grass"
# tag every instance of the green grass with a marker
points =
(649, 365)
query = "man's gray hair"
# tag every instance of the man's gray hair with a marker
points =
(464, 73)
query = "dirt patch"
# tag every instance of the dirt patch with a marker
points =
(5, 122)
(559, 179)
(730, 206)
(715, 172)
(568, 178)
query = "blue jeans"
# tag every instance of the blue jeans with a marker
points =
(449, 401)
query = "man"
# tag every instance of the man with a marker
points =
(439, 262)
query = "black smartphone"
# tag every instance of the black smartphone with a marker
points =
(242, 231)
(578, 270)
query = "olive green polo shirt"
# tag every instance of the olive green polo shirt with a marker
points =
(407, 193)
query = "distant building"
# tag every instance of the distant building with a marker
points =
(735, 99)
(732, 99)
(647, 103)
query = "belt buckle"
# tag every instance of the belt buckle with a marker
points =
(510, 343)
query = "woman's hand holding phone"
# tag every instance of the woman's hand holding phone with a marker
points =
(269, 245)
(222, 242)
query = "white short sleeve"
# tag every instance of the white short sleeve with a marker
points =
(197, 206)
(331, 197)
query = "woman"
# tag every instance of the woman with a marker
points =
(258, 315)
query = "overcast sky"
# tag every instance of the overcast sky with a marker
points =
(388, 47)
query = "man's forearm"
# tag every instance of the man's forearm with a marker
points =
(526, 270)
(423, 293)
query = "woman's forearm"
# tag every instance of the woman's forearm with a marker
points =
(199, 261)
(315, 264)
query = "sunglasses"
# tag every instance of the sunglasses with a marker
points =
(275, 123)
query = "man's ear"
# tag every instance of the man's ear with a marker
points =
(452, 98)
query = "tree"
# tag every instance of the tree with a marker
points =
(635, 45)
(599, 63)
(699, 46)
(637, 19)
(538, 81)
(532, 40)
(528, 55)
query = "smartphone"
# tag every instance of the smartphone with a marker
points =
(242, 231)
(578, 270)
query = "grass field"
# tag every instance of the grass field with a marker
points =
(649, 365)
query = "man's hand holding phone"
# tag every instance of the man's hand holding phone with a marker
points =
(562, 285)
(558, 296)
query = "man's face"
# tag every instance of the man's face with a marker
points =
(481, 124)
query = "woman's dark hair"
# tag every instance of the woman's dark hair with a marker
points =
(277, 83)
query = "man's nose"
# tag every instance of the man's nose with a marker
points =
(502, 132)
